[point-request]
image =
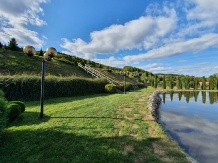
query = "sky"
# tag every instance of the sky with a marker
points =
(174, 36)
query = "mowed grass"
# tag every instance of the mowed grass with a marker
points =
(100, 128)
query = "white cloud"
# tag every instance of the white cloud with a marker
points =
(198, 69)
(153, 65)
(111, 61)
(182, 60)
(140, 33)
(14, 18)
(191, 45)
(194, 133)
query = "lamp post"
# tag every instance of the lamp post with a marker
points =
(48, 56)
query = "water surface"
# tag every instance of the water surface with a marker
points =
(191, 118)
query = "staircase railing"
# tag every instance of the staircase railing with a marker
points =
(98, 74)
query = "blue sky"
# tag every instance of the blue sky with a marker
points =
(174, 36)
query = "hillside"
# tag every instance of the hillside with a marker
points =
(18, 63)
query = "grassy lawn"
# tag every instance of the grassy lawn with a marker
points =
(99, 128)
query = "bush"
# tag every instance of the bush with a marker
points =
(14, 112)
(20, 103)
(110, 88)
(3, 111)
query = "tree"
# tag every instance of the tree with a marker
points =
(187, 82)
(171, 84)
(211, 83)
(203, 87)
(41, 53)
(164, 83)
(179, 83)
(12, 45)
(196, 83)
(155, 81)
(1, 45)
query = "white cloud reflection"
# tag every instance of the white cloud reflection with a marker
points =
(198, 136)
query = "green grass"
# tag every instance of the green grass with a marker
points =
(100, 128)
(16, 62)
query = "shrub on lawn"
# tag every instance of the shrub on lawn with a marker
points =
(110, 88)
(14, 112)
(20, 103)
(3, 111)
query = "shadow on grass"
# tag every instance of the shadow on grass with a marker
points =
(92, 117)
(53, 146)
(29, 118)
(64, 99)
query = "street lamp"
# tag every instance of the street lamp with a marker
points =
(29, 50)
(48, 56)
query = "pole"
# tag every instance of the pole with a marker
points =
(42, 89)
(124, 84)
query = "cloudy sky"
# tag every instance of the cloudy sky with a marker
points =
(158, 36)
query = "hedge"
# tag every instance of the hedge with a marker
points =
(26, 88)
(3, 112)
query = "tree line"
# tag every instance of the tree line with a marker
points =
(185, 82)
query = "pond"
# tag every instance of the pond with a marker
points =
(191, 119)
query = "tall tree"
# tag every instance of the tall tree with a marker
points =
(1, 45)
(211, 83)
(187, 82)
(155, 81)
(196, 83)
(171, 83)
(41, 53)
(203, 87)
(164, 83)
(12, 45)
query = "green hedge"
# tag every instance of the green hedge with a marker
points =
(3, 112)
(21, 104)
(14, 111)
(25, 88)
(110, 88)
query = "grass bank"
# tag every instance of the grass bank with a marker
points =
(98, 128)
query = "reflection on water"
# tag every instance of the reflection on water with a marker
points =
(190, 118)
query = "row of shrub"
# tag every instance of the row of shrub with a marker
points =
(9, 111)
(27, 88)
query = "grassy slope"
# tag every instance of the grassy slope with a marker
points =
(100, 128)
(16, 62)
